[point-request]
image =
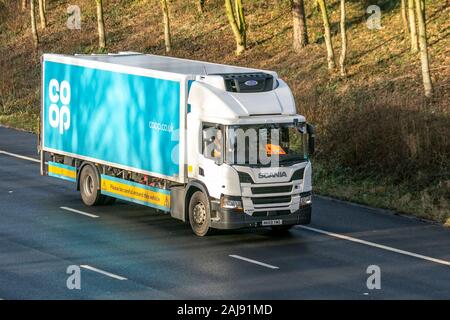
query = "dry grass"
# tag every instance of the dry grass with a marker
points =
(380, 141)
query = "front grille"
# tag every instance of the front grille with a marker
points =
(271, 200)
(271, 213)
(273, 189)
(246, 178)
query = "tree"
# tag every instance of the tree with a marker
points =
(326, 26)
(24, 5)
(42, 14)
(343, 40)
(166, 20)
(236, 19)
(100, 25)
(412, 26)
(404, 17)
(420, 12)
(33, 25)
(201, 6)
(300, 37)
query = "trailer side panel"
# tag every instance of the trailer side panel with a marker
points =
(124, 120)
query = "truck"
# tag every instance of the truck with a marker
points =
(213, 145)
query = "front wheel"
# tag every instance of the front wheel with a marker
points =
(199, 214)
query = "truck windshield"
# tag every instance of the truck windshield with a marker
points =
(266, 144)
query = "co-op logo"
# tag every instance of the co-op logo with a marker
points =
(59, 117)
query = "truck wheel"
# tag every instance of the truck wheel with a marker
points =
(90, 186)
(199, 215)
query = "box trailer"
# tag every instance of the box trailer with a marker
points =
(178, 135)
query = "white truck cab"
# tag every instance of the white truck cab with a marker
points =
(246, 192)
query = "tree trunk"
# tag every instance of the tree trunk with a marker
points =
(241, 20)
(328, 42)
(100, 25)
(201, 6)
(42, 14)
(343, 40)
(166, 20)
(420, 12)
(412, 26)
(24, 5)
(33, 24)
(404, 17)
(300, 37)
(237, 22)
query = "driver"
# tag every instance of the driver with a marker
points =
(217, 151)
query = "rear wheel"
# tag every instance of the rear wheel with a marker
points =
(199, 214)
(90, 186)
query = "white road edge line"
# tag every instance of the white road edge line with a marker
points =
(19, 156)
(253, 261)
(109, 274)
(79, 212)
(376, 245)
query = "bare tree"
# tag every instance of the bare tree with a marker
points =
(343, 40)
(33, 24)
(166, 20)
(42, 14)
(328, 42)
(412, 26)
(420, 12)
(201, 6)
(100, 25)
(236, 19)
(404, 17)
(300, 37)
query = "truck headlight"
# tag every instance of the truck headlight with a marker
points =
(305, 200)
(229, 202)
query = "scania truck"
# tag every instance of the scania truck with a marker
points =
(218, 146)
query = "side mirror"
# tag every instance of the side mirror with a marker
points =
(311, 137)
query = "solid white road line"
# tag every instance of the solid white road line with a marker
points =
(253, 261)
(376, 245)
(19, 156)
(112, 275)
(79, 212)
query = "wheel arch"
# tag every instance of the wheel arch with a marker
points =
(192, 187)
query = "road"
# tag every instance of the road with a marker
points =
(128, 251)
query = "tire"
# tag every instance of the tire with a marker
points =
(90, 186)
(281, 229)
(199, 214)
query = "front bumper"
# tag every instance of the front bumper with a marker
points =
(232, 219)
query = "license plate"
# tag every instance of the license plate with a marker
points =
(275, 222)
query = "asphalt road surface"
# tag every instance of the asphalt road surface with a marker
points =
(127, 251)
